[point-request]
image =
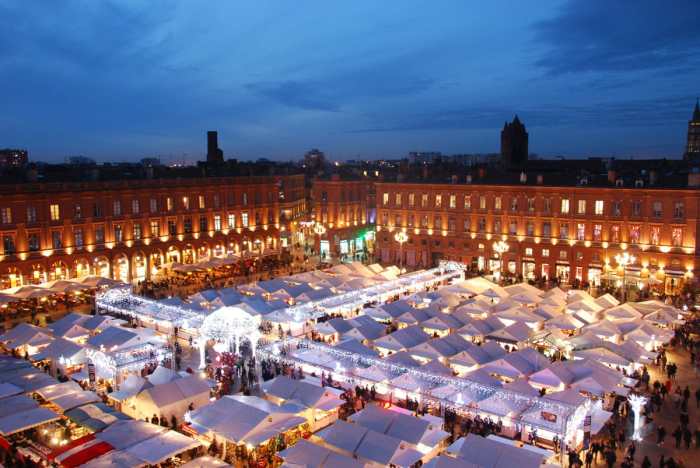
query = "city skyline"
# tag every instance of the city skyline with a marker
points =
(122, 82)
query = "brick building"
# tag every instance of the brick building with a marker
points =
(346, 210)
(125, 229)
(551, 230)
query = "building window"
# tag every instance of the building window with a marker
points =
(677, 237)
(186, 203)
(438, 201)
(678, 210)
(546, 229)
(482, 225)
(467, 202)
(217, 222)
(169, 203)
(97, 210)
(6, 215)
(563, 255)
(231, 220)
(513, 228)
(453, 201)
(153, 205)
(497, 226)
(34, 242)
(528, 251)
(616, 208)
(244, 199)
(8, 243)
(201, 203)
(514, 204)
(31, 214)
(497, 203)
(581, 207)
(636, 207)
(203, 225)
(172, 227)
(597, 232)
(56, 239)
(482, 202)
(580, 231)
(397, 220)
(531, 205)
(564, 231)
(78, 211)
(118, 236)
(188, 225)
(634, 234)
(78, 237)
(99, 235)
(547, 208)
(467, 224)
(117, 208)
(411, 200)
(657, 208)
(564, 206)
(385, 219)
(599, 207)
(155, 228)
(545, 252)
(615, 233)
(244, 219)
(385, 198)
(410, 220)
(530, 228)
(135, 206)
(55, 212)
(437, 222)
(137, 231)
(397, 199)
(217, 203)
(655, 235)
(424, 221)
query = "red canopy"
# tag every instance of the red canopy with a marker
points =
(84, 456)
(70, 446)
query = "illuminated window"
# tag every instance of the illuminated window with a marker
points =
(497, 226)
(531, 205)
(530, 228)
(438, 201)
(615, 233)
(655, 235)
(117, 208)
(169, 204)
(528, 251)
(564, 231)
(563, 255)
(244, 219)
(580, 231)
(217, 222)
(202, 204)
(497, 203)
(186, 202)
(6, 215)
(657, 209)
(547, 206)
(467, 202)
(467, 224)
(231, 220)
(678, 210)
(564, 206)
(398, 199)
(545, 252)
(677, 237)
(55, 212)
(616, 208)
(453, 201)
(513, 228)
(424, 200)
(424, 221)
(411, 220)
(482, 202)
(385, 198)
(137, 231)
(597, 232)
(599, 207)
(244, 199)
(411, 200)
(437, 222)
(155, 228)
(634, 234)
(514, 204)
(581, 207)
(118, 235)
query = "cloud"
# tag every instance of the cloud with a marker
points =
(619, 36)
(302, 95)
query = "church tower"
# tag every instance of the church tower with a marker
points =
(514, 143)
(692, 149)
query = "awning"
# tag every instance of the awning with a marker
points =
(24, 420)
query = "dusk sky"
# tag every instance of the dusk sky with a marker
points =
(121, 80)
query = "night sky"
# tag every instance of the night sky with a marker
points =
(120, 80)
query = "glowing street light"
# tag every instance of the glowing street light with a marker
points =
(401, 237)
(637, 402)
(500, 247)
(623, 260)
(319, 229)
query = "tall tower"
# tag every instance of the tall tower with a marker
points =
(692, 148)
(514, 143)
(214, 154)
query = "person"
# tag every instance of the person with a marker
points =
(662, 462)
(678, 435)
(646, 463)
(589, 458)
(687, 437)
(697, 397)
(610, 458)
(660, 435)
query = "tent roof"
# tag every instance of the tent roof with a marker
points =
(161, 447)
(59, 347)
(208, 462)
(489, 453)
(124, 434)
(24, 420)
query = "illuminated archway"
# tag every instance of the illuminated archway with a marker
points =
(139, 266)
(120, 268)
(173, 255)
(11, 278)
(81, 267)
(58, 271)
(188, 254)
(101, 266)
(218, 251)
(38, 274)
(226, 326)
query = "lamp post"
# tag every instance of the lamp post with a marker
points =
(401, 237)
(624, 260)
(500, 248)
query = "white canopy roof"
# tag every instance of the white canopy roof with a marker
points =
(162, 446)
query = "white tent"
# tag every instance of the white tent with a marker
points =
(162, 446)
(23, 420)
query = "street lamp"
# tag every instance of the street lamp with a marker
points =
(401, 237)
(500, 248)
(624, 260)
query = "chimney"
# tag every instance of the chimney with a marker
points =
(523, 178)
(653, 177)
(540, 179)
(612, 176)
